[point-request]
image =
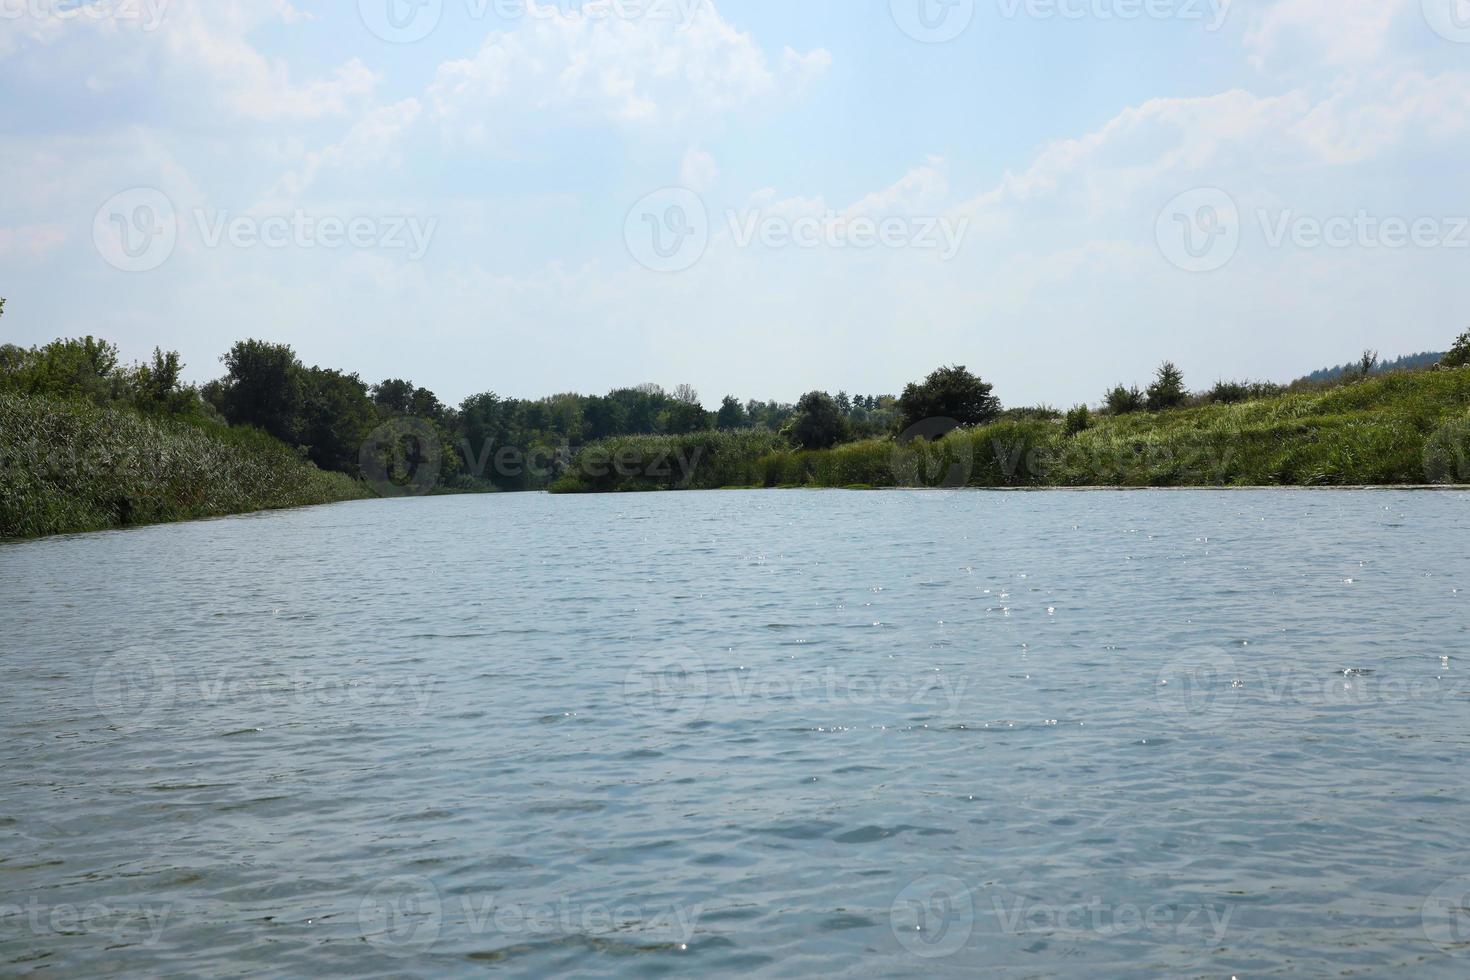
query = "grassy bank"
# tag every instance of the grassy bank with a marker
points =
(68, 466)
(1404, 428)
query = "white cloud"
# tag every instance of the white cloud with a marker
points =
(195, 56)
(1314, 33)
(623, 70)
(372, 140)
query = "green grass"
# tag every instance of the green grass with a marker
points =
(1402, 428)
(69, 466)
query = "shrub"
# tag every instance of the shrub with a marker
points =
(1167, 391)
(1125, 401)
(1079, 419)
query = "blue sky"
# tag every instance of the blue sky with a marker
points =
(499, 164)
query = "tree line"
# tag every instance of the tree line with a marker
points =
(328, 415)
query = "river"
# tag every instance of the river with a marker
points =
(781, 733)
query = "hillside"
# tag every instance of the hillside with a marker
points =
(1400, 428)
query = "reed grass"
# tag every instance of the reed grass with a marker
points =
(68, 466)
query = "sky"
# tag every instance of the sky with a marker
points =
(754, 197)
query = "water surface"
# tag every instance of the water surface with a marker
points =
(781, 733)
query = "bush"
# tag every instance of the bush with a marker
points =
(1235, 392)
(1125, 401)
(1167, 391)
(1079, 419)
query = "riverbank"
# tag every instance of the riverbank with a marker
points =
(1401, 429)
(68, 466)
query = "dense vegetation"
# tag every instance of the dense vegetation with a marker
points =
(67, 465)
(1404, 428)
(1362, 426)
(87, 442)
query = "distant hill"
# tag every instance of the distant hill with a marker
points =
(1408, 362)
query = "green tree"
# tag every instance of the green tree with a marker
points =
(395, 396)
(264, 386)
(1459, 354)
(1167, 391)
(1124, 400)
(817, 424)
(336, 418)
(81, 368)
(604, 417)
(683, 417)
(948, 393)
(1079, 419)
(158, 387)
(732, 414)
(1367, 362)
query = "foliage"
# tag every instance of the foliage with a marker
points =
(1393, 429)
(263, 386)
(948, 393)
(1124, 401)
(1367, 363)
(732, 415)
(1079, 419)
(818, 423)
(67, 465)
(1447, 453)
(1168, 390)
(1234, 392)
(1459, 354)
(698, 461)
(683, 417)
(1036, 413)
